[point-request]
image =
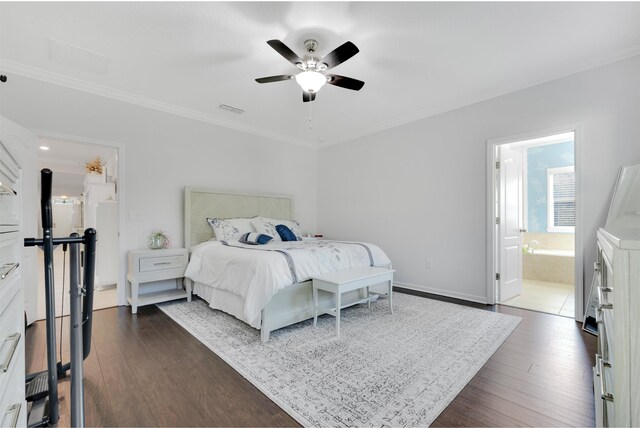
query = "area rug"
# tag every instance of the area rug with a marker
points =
(384, 370)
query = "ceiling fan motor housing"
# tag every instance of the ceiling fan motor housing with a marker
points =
(311, 63)
(311, 45)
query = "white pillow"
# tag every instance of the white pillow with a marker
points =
(230, 229)
(268, 223)
(254, 238)
(265, 226)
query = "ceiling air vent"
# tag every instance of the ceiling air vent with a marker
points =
(231, 109)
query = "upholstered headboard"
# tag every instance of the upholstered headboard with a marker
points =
(200, 203)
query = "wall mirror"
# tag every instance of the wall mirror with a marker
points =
(624, 212)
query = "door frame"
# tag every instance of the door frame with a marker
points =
(492, 242)
(122, 224)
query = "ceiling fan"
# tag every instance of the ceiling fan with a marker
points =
(312, 78)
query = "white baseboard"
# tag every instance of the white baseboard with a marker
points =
(441, 292)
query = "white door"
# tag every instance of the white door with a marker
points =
(24, 144)
(509, 236)
(63, 219)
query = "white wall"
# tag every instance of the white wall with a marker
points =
(164, 153)
(419, 190)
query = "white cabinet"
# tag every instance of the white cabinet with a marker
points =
(617, 371)
(101, 213)
(13, 406)
(156, 265)
(93, 194)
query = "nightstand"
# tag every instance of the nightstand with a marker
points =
(156, 265)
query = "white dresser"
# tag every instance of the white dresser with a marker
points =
(13, 407)
(617, 278)
(617, 370)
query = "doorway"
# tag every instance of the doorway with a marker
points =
(534, 235)
(84, 194)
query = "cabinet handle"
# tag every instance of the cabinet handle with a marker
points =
(15, 339)
(13, 412)
(601, 291)
(162, 263)
(605, 395)
(602, 339)
(598, 312)
(11, 267)
(7, 190)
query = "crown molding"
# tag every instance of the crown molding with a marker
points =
(555, 75)
(58, 79)
(46, 76)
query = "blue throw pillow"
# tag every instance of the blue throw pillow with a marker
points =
(285, 233)
(255, 238)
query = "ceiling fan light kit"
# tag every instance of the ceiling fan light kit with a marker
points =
(311, 81)
(311, 77)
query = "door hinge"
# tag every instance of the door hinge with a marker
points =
(498, 165)
(497, 277)
(497, 220)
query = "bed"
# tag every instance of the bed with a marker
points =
(217, 270)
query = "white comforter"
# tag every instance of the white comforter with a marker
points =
(256, 273)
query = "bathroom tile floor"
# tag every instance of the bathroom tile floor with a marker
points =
(550, 297)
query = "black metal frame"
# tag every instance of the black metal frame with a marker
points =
(81, 318)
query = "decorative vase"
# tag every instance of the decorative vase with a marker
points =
(157, 241)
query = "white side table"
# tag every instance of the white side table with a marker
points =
(156, 265)
(347, 280)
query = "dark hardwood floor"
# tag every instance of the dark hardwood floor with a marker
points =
(146, 370)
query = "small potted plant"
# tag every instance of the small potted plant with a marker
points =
(95, 171)
(158, 239)
(94, 167)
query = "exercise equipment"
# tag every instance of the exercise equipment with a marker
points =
(42, 387)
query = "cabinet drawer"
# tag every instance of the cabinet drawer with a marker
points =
(12, 405)
(603, 385)
(9, 182)
(10, 245)
(9, 264)
(11, 343)
(152, 264)
(604, 318)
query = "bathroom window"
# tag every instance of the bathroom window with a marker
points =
(561, 199)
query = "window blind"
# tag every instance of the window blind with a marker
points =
(564, 199)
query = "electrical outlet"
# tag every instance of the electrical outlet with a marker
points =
(428, 263)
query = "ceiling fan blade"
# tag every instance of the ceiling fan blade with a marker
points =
(287, 53)
(340, 54)
(308, 96)
(345, 82)
(270, 79)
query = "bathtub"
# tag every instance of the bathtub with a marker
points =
(553, 252)
(550, 265)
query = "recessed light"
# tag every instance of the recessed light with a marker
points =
(45, 148)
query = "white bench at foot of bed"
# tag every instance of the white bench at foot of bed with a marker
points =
(342, 282)
(295, 304)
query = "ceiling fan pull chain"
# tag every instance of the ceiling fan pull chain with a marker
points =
(310, 124)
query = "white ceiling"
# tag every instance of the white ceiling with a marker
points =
(417, 59)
